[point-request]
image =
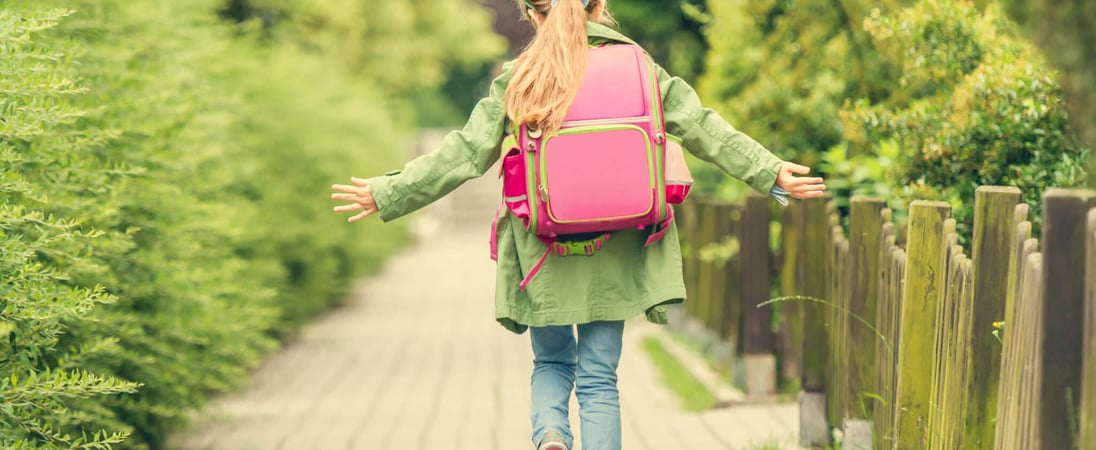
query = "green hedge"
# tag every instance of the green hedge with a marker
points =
(164, 211)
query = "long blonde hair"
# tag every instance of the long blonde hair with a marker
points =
(548, 73)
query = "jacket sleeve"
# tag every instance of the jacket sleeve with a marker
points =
(463, 155)
(707, 136)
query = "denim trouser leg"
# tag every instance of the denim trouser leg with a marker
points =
(599, 402)
(554, 359)
(558, 362)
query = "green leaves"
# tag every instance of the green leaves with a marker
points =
(926, 101)
(410, 48)
(163, 201)
(975, 106)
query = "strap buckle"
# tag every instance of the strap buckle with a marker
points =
(587, 247)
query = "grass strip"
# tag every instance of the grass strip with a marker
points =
(694, 396)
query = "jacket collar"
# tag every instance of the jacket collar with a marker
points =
(597, 33)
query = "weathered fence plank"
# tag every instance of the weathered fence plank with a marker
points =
(686, 216)
(949, 344)
(865, 277)
(1031, 324)
(994, 244)
(1010, 369)
(923, 292)
(1088, 391)
(707, 235)
(816, 350)
(955, 359)
(732, 296)
(1064, 216)
(838, 285)
(1020, 345)
(720, 284)
(757, 335)
(889, 313)
(791, 279)
(963, 362)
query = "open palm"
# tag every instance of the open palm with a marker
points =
(360, 194)
(799, 187)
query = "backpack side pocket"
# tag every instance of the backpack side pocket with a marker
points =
(678, 178)
(514, 188)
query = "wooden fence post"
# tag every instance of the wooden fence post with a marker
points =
(813, 426)
(1007, 388)
(952, 334)
(720, 283)
(1029, 331)
(757, 335)
(1088, 399)
(732, 298)
(994, 243)
(1064, 214)
(924, 289)
(791, 281)
(864, 265)
(1017, 391)
(687, 213)
(705, 268)
(889, 317)
(723, 287)
(838, 293)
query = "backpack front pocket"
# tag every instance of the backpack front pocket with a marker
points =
(598, 173)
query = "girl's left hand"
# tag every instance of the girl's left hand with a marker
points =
(799, 187)
(362, 196)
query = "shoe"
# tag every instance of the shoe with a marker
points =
(552, 441)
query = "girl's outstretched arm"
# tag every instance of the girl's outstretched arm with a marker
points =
(464, 154)
(709, 137)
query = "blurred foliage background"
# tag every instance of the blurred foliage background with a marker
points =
(897, 99)
(1062, 30)
(164, 211)
(164, 166)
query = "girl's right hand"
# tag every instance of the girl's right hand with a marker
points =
(799, 187)
(362, 196)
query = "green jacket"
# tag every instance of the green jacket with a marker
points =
(624, 278)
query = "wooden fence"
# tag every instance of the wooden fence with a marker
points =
(904, 339)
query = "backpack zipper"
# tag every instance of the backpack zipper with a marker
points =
(591, 122)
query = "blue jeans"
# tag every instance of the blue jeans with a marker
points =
(558, 362)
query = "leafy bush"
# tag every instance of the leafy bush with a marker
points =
(1061, 29)
(975, 106)
(40, 148)
(781, 70)
(928, 101)
(163, 209)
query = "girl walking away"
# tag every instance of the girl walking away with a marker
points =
(566, 96)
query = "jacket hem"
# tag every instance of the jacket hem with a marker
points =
(517, 320)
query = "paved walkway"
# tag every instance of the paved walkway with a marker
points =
(416, 361)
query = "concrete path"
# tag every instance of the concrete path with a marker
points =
(416, 361)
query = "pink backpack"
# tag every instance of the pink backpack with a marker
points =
(605, 168)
